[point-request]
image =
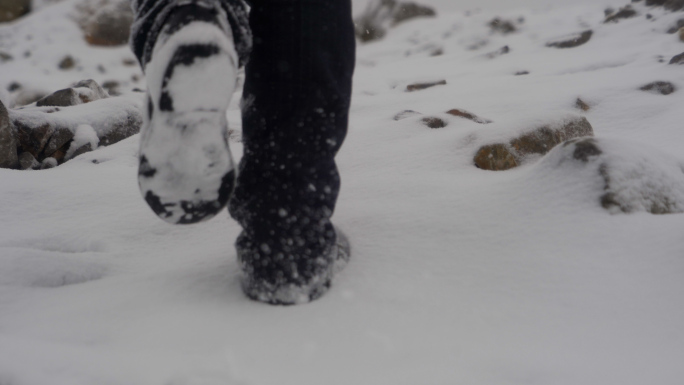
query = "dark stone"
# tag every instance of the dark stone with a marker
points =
(434, 122)
(4, 56)
(501, 51)
(467, 115)
(572, 41)
(67, 63)
(13, 9)
(380, 15)
(678, 59)
(674, 5)
(502, 26)
(109, 26)
(62, 136)
(655, 2)
(61, 98)
(406, 114)
(579, 103)
(422, 86)
(13, 86)
(112, 87)
(663, 88)
(521, 73)
(33, 139)
(8, 140)
(625, 12)
(27, 161)
(584, 149)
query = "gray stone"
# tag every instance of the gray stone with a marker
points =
(662, 88)
(380, 15)
(59, 138)
(8, 140)
(571, 41)
(61, 98)
(27, 161)
(625, 12)
(678, 59)
(502, 26)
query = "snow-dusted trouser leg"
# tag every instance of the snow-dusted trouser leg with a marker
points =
(186, 172)
(295, 111)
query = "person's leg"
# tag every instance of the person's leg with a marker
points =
(295, 112)
(189, 51)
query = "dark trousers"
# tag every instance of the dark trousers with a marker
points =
(299, 57)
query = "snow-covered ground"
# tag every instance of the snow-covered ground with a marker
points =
(458, 275)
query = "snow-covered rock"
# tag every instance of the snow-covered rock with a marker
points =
(634, 177)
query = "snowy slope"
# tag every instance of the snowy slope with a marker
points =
(458, 276)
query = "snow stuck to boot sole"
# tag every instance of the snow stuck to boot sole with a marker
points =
(186, 171)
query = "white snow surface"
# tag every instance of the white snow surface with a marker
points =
(457, 275)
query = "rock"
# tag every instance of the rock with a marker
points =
(84, 91)
(97, 91)
(61, 98)
(129, 62)
(521, 73)
(495, 157)
(635, 178)
(48, 163)
(579, 103)
(27, 96)
(674, 5)
(422, 86)
(380, 15)
(67, 63)
(59, 139)
(625, 12)
(13, 9)
(13, 86)
(655, 2)
(51, 131)
(681, 34)
(467, 115)
(679, 24)
(408, 11)
(107, 23)
(8, 141)
(28, 161)
(4, 56)
(406, 114)
(434, 122)
(571, 41)
(501, 51)
(81, 150)
(678, 59)
(502, 26)
(663, 88)
(33, 139)
(112, 87)
(498, 157)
